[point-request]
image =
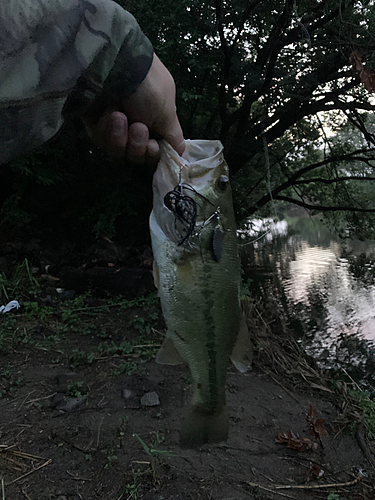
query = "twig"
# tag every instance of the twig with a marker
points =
(6, 447)
(25, 399)
(256, 485)
(363, 445)
(316, 486)
(338, 432)
(146, 345)
(30, 472)
(21, 454)
(97, 439)
(3, 489)
(16, 464)
(261, 317)
(353, 381)
(78, 410)
(26, 495)
(285, 389)
(269, 478)
(77, 478)
(302, 486)
(40, 399)
(269, 374)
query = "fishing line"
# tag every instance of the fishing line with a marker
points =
(263, 133)
(256, 239)
(268, 183)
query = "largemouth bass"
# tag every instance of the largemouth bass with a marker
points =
(197, 273)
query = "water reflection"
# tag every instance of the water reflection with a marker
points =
(328, 285)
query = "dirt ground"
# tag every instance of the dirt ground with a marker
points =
(72, 419)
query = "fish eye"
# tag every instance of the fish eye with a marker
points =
(223, 182)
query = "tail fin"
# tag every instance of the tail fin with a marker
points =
(200, 427)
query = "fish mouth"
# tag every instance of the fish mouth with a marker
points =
(180, 209)
(197, 165)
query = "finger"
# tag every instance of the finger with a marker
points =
(116, 134)
(138, 139)
(175, 136)
(109, 132)
(152, 153)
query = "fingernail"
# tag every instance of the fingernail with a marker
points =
(117, 125)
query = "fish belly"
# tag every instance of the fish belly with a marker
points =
(201, 307)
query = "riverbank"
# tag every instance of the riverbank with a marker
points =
(86, 413)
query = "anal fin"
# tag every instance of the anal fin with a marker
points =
(168, 354)
(155, 272)
(242, 354)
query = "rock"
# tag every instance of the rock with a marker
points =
(56, 400)
(150, 399)
(127, 394)
(69, 404)
(131, 399)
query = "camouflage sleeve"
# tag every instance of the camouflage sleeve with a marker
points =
(60, 57)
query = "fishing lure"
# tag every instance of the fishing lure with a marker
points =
(184, 208)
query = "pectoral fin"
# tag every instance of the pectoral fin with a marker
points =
(217, 244)
(168, 354)
(242, 354)
(155, 272)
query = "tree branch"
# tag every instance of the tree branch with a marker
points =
(250, 7)
(336, 179)
(322, 208)
(294, 179)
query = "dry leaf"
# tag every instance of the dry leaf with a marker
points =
(315, 472)
(365, 74)
(294, 442)
(315, 425)
(49, 277)
(368, 79)
(356, 59)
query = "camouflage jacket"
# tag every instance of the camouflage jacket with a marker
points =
(61, 57)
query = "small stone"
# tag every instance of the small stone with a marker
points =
(127, 394)
(56, 400)
(131, 399)
(150, 399)
(69, 404)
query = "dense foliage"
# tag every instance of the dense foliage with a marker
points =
(272, 80)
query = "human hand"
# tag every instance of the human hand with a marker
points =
(149, 114)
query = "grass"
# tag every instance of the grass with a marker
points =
(74, 390)
(80, 332)
(367, 407)
(8, 381)
(154, 452)
(21, 284)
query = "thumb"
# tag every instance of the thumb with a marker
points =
(175, 137)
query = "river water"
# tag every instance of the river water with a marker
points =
(327, 286)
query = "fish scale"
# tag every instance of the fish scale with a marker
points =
(199, 285)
